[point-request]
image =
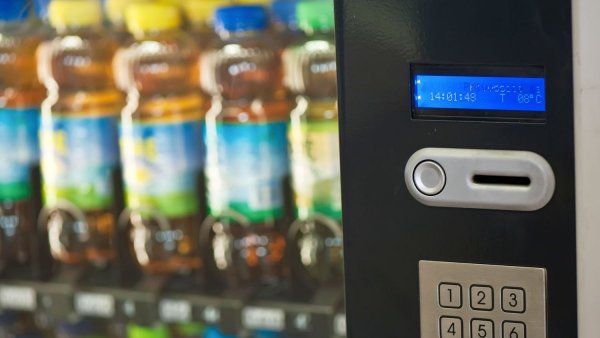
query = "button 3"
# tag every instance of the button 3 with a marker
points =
(429, 178)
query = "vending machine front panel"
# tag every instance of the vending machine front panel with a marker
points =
(458, 168)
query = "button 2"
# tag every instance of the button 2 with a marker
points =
(451, 327)
(482, 297)
(513, 300)
(450, 295)
(514, 330)
(482, 328)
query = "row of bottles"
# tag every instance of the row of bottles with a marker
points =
(215, 130)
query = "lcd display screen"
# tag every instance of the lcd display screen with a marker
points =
(479, 92)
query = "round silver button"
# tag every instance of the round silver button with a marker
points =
(429, 177)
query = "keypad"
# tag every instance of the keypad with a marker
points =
(461, 300)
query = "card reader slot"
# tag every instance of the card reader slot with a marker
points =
(521, 181)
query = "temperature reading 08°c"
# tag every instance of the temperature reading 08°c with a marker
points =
(527, 94)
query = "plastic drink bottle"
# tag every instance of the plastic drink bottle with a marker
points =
(161, 141)
(314, 144)
(247, 159)
(79, 144)
(20, 97)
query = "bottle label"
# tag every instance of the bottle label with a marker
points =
(246, 168)
(79, 156)
(315, 158)
(162, 164)
(19, 151)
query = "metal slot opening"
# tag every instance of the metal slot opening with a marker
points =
(521, 181)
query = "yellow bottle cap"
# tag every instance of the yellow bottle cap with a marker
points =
(74, 13)
(265, 3)
(202, 10)
(115, 9)
(148, 16)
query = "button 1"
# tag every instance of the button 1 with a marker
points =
(482, 328)
(514, 330)
(450, 295)
(513, 300)
(429, 178)
(482, 297)
(451, 327)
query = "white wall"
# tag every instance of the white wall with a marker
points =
(586, 35)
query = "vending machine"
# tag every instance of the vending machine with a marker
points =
(469, 145)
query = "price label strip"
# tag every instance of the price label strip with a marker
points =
(175, 311)
(339, 325)
(18, 298)
(94, 305)
(255, 318)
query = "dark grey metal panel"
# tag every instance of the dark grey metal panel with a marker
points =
(386, 231)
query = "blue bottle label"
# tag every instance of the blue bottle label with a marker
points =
(19, 151)
(79, 156)
(246, 167)
(162, 164)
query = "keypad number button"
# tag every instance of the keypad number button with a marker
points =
(450, 295)
(451, 327)
(514, 330)
(482, 328)
(482, 297)
(513, 300)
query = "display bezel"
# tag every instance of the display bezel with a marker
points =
(476, 114)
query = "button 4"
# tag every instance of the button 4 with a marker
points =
(450, 295)
(451, 327)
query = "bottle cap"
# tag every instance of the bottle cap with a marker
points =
(240, 18)
(13, 10)
(253, 2)
(41, 8)
(145, 17)
(284, 11)
(115, 9)
(190, 329)
(215, 333)
(136, 331)
(316, 15)
(75, 13)
(199, 11)
(266, 334)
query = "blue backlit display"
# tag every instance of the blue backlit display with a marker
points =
(524, 94)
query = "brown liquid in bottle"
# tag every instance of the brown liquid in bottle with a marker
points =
(247, 161)
(79, 140)
(20, 98)
(162, 146)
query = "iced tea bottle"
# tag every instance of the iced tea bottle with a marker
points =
(20, 97)
(79, 134)
(161, 141)
(247, 158)
(314, 144)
